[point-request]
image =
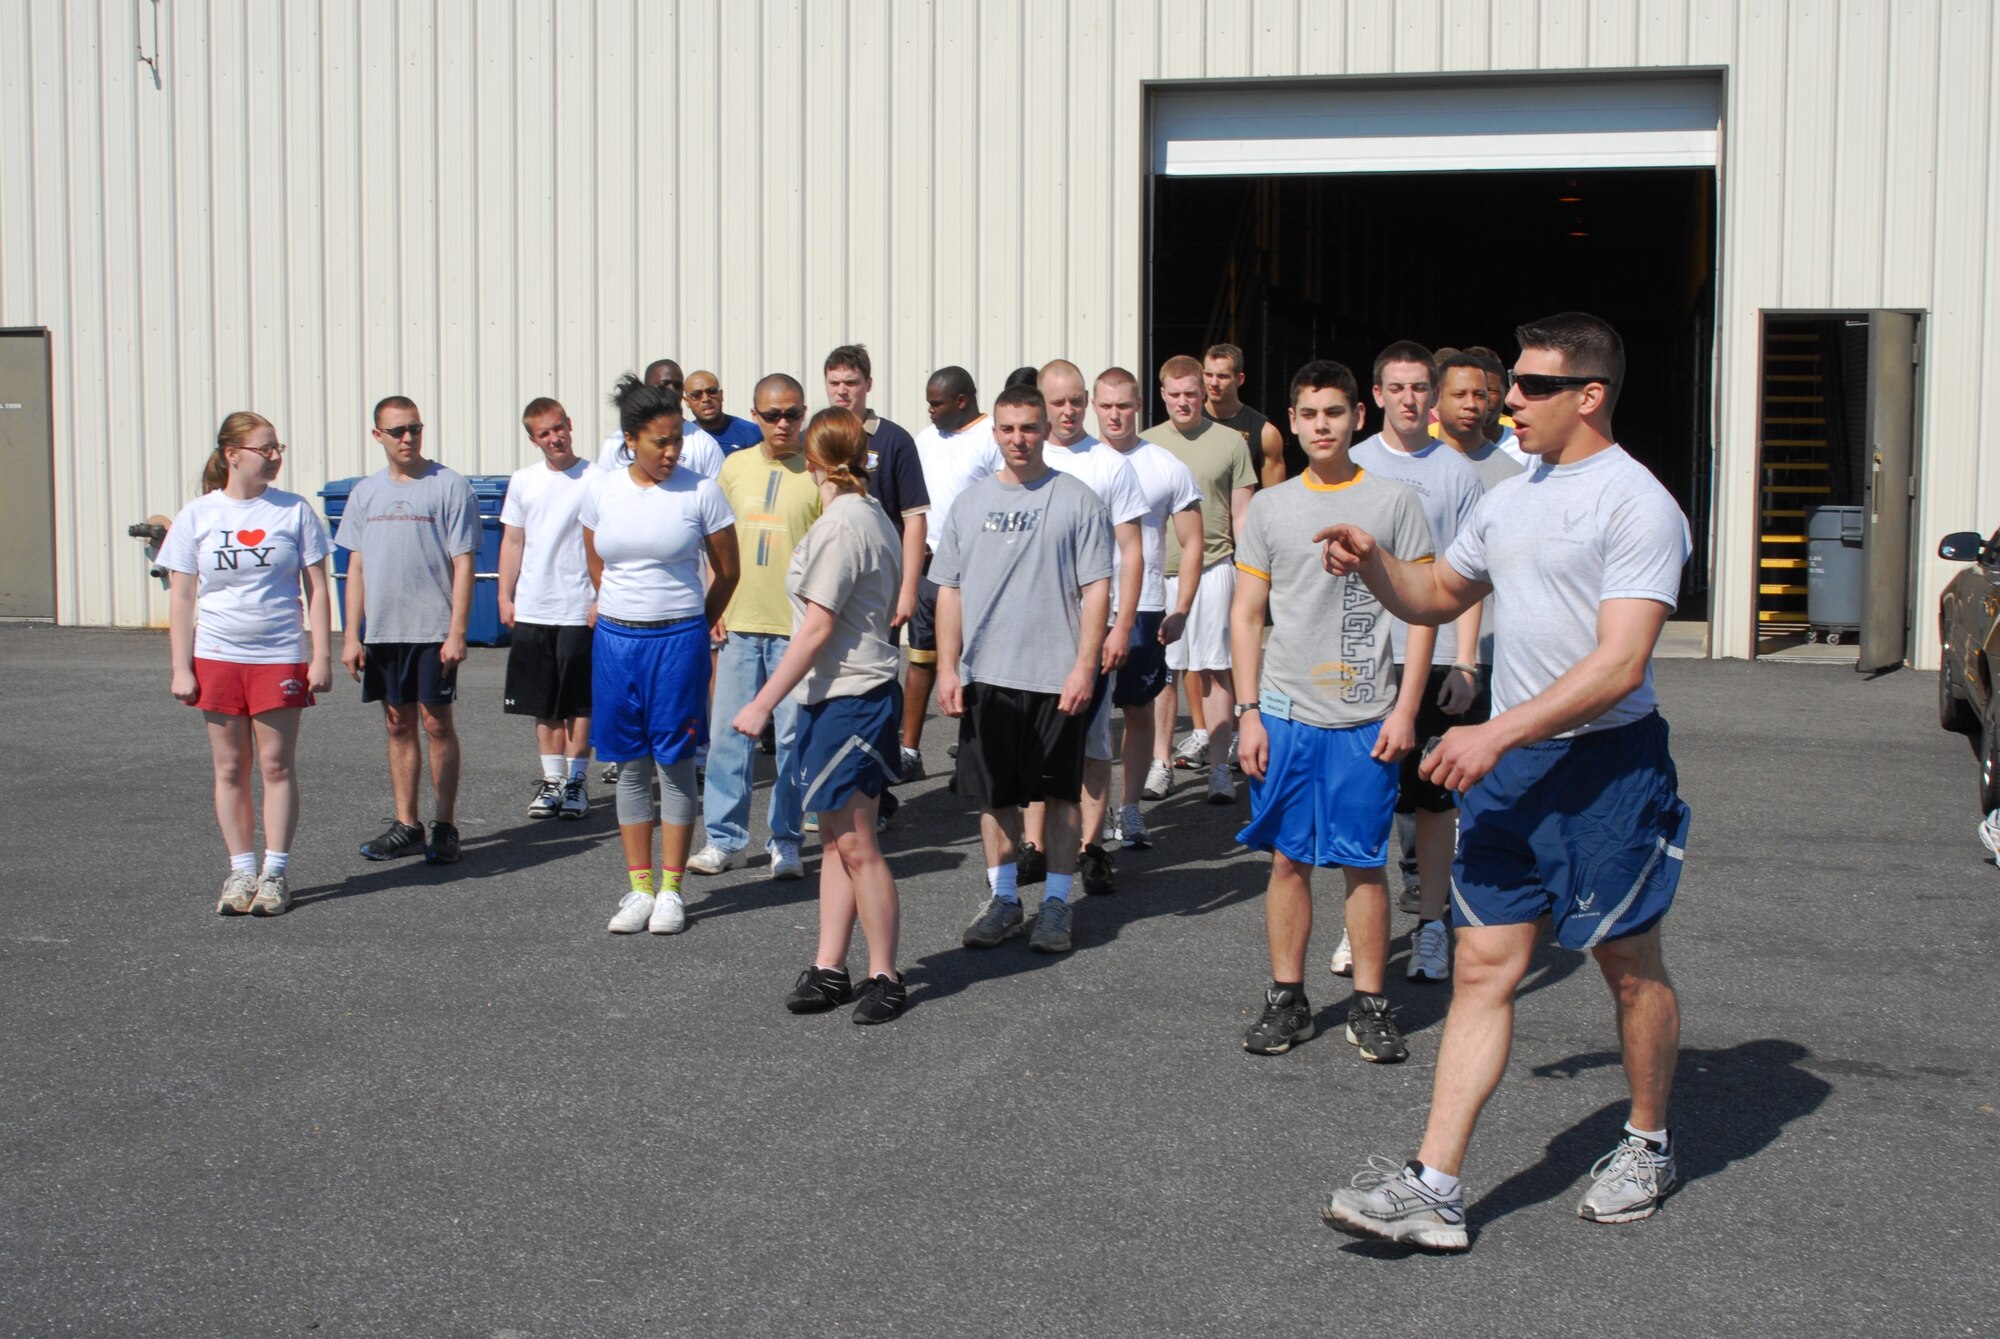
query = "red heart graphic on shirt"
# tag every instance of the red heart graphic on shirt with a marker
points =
(249, 539)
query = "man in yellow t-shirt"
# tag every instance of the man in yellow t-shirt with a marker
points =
(775, 500)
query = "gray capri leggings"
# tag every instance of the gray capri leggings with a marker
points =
(635, 792)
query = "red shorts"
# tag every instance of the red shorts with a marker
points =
(249, 690)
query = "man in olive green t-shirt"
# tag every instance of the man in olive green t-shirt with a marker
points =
(1214, 454)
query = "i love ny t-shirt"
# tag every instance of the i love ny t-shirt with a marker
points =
(246, 556)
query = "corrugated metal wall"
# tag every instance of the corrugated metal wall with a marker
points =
(475, 203)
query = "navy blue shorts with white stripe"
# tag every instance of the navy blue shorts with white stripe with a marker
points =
(1589, 831)
(849, 744)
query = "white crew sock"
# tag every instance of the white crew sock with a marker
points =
(1055, 887)
(276, 862)
(244, 864)
(1444, 1187)
(552, 766)
(1002, 879)
(579, 767)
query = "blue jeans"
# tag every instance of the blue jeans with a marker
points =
(741, 671)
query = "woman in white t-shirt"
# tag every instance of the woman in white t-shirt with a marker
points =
(245, 651)
(843, 582)
(647, 524)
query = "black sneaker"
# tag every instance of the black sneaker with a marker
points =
(881, 1000)
(1287, 1020)
(1371, 1025)
(442, 849)
(1031, 864)
(1095, 867)
(398, 839)
(818, 990)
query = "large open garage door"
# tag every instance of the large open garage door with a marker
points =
(1308, 220)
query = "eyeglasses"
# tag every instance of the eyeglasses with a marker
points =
(1537, 385)
(402, 430)
(792, 415)
(268, 452)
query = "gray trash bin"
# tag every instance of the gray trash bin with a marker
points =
(1836, 570)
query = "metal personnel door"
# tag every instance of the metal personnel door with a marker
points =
(1889, 492)
(27, 462)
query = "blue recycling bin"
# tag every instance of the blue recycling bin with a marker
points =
(484, 628)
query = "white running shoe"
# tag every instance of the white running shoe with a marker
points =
(1221, 785)
(1159, 780)
(575, 799)
(548, 798)
(634, 910)
(712, 859)
(1132, 828)
(1989, 834)
(1628, 1183)
(1343, 957)
(785, 862)
(1430, 953)
(669, 915)
(238, 892)
(1193, 751)
(274, 896)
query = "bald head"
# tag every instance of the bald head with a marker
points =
(1061, 385)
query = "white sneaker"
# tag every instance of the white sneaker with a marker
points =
(548, 798)
(712, 859)
(1989, 834)
(785, 862)
(634, 910)
(1221, 785)
(1343, 958)
(1132, 828)
(1430, 953)
(1193, 751)
(575, 799)
(669, 915)
(1159, 780)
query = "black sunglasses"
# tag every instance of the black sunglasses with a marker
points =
(1537, 385)
(403, 430)
(792, 415)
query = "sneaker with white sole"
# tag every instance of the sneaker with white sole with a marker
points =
(1390, 1202)
(635, 910)
(609, 776)
(575, 799)
(1159, 780)
(1629, 1182)
(548, 798)
(669, 916)
(712, 859)
(274, 896)
(1193, 752)
(1989, 834)
(785, 862)
(238, 892)
(1343, 957)
(1221, 785)
(1430, 953)
(1132, 828)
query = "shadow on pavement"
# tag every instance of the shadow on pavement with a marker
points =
(527, 844)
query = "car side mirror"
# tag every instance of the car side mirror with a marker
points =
(1962, 546)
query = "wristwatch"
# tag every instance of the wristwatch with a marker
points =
(1242, 707)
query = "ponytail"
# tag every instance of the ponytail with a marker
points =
(235, 430)
(837, 442)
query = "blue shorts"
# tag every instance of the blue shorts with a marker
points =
(398, 674)
(849, 744)
(1323, 801)
(1589, 832)
(1143, 676)
(649, 690)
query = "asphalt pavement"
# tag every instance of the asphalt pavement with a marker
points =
(446, 1102)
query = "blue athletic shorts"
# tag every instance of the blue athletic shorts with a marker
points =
(1323, 801)
(849, 744)
(648, 690)
(1589, 832)
(1144, 674)
(400, 673)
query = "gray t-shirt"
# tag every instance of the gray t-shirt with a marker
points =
(1492, 465)
(407, 534)
(1327, 661)
(1020, 557)
(850, 562)
(1448, 490)
(1555, 543)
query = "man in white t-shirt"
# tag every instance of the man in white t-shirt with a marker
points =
(1571, 812)
(547, 599)
(1071, 449)
(956, 449)
(700, 452)
(1172, 498)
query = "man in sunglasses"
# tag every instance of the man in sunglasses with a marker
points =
(410, 530)
(775, 500)
(700, 452)
(1571, 812)
(704, 401)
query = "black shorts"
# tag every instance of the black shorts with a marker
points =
(1413, 792)
(1143, 676)
(548, 671)
(1016, 747)
(398, 674)
(922, 627)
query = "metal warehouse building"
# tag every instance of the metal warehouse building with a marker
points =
(1789, 207)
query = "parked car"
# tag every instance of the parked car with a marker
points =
(1969, 628)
